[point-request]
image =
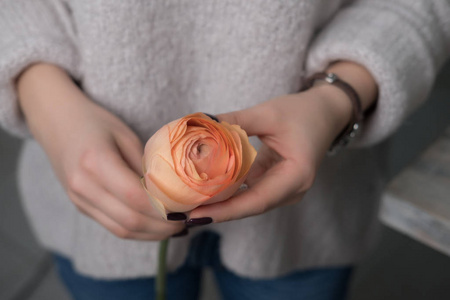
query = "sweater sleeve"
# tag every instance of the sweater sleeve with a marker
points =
(403, 43)
(31, 31)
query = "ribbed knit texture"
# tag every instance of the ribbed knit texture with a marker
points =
(150, 62)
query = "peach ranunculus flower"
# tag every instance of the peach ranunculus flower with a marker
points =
(194, 161)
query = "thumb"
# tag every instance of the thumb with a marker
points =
(131, 149)
(253, 120)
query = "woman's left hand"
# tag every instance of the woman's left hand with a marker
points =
(296, 132)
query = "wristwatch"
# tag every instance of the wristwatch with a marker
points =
(352, 129)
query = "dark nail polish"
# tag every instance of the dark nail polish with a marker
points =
(199, 221)
(176, 217)
(212, 117)
(184, 232)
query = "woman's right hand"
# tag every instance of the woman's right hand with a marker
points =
(94, 154)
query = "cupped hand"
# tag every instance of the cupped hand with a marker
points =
(100, 167)
(94, 154)
(296, 132)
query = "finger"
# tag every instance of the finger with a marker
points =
(131, 149)
(111, 225)
(109, 169)
(88, 190)
(250, 120)
(265, 159)
(275, 185)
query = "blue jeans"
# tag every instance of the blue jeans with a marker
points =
(184, 283)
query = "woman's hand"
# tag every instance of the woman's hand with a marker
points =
(296, 131)
(95, 155)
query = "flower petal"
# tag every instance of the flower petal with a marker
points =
(158, 144)
(226, 193)
(162, 182)
(248, 151)
(157, 204)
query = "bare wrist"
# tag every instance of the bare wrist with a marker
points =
(46, 96)
(335, 105)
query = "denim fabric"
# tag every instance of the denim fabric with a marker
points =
(184, 283)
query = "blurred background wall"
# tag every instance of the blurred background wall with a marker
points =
(399, 267)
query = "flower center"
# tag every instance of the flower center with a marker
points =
(202, 155)
(201, 151)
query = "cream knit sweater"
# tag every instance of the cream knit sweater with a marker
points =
(150, 62)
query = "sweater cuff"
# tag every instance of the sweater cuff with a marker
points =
(22, 56)
(390, 44)
(31, 31)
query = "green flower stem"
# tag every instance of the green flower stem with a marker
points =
(162, 266)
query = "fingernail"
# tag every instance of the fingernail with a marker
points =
(184, 232)
(212, 117)
(176, 217)
(199, 221)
